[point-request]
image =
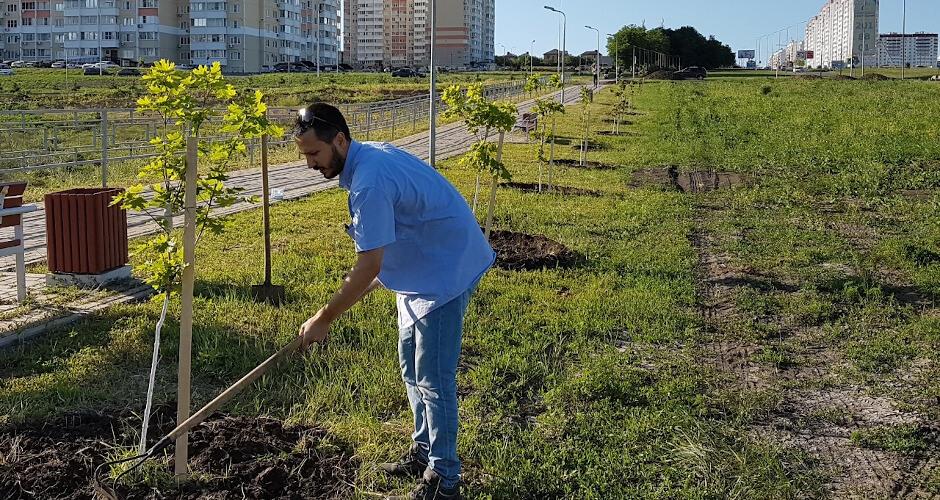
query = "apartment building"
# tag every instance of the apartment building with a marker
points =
(844, 31)
(242, 35)
(788, 57)
(383, 34)
(910, 50)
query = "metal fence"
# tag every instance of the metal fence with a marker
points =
(32, 140)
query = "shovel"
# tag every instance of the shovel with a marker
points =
(105, 492)
(266, 292)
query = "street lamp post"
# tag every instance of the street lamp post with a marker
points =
(531, 48)
(597, 56)
(432, 136)
(564, 34)
(616, 59)
(903, 37)
(317, 38)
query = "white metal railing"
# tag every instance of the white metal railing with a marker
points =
(32, 140)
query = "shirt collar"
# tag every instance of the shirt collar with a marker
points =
(349, 169)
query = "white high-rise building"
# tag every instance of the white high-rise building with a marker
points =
(910, 50)
(844, 32)
(242, 35)
(395, 33)
(787, 57)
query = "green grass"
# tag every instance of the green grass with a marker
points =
(36, 88)
(591, 382)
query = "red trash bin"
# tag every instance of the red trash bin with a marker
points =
(84, 235)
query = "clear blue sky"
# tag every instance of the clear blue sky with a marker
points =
(737, 23)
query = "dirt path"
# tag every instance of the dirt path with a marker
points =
(823, 408)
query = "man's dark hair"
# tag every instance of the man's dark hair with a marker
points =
(323, 119)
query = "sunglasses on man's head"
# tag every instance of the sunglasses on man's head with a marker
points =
(305, 120)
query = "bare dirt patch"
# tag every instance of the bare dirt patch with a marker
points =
(686, 182)
(592, 165)
(533, 187)
(231, 457)
(528, 252)
(822, 422)
(590, 147)
(819, 409)
(614, 133)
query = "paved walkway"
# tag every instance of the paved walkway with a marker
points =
(293, 178)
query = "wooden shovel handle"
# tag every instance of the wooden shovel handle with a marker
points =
(228, 394)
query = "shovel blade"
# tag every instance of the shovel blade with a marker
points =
(266, 292)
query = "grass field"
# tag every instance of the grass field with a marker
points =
(34, 88)
(776, 338)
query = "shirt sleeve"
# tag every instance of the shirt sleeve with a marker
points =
(373, 219)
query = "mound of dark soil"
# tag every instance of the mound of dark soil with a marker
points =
(686, 182)
(533, 187)
(622, 133)
(661, 75)
(875, 76)
(591, 146)
(232, 458)
(808, 77)
(843, 77)
(593, 165)
(529, 252)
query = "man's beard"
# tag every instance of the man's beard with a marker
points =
(337, 162)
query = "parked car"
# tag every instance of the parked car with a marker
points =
(18, 64)
(58, 64)
(129, 72)
(95, 71)
(106, 65)
(4, 66)
(6, 71)
(691, 72)
(406, 73)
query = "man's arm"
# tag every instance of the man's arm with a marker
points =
(361, 280)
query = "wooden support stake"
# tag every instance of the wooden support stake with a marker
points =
(186, 315)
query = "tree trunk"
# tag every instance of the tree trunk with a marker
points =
(541, 150)
(551, 155)
(489, 212)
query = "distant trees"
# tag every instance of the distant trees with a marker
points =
(687, 43)
(695, 50)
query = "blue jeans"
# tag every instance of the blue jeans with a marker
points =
(428, 352)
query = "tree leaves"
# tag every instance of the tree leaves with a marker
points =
(187, 103)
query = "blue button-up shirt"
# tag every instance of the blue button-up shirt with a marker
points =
(434, 249)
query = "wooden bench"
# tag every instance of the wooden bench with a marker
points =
(526, 123)
(11, 216)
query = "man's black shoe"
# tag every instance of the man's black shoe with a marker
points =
(429, 488)
(411, 464)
